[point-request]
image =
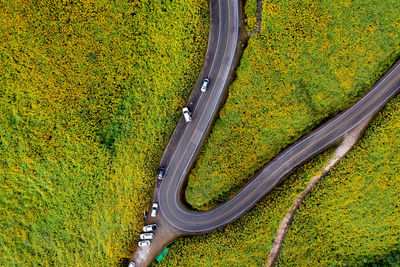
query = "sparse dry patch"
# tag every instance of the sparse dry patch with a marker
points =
(163, 236)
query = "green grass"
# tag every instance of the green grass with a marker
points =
(90, 93)
(250, 15)
(353, 216)
(247, 241)
(311, 60)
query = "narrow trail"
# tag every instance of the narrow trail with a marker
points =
(349, 140)
(259, 19)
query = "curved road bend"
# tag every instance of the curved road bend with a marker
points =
(168, 194)
(193, 222)
(186, 141)
(181, 152)
(221, 57)
(187, 138)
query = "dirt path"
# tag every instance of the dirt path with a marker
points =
(163, 236)
(350, 139)
(259, 18)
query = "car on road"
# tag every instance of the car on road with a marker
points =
(144, 243)
(150, 227)
(146, 236)
(132, 264)
(154, 210)
(187, 114)
(205, 85)
(161, 173)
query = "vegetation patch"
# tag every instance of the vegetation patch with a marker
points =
(247, 241)
(90, 94)
(92, 90)
(311, 60)
(338, 224)
(352, 217)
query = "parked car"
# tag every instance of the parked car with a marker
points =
(150, 227)
(144, 243)
(162, 255)
(147, 236)
(161, 173)
(132, 264)
(205, 85)
(154, 210)
(187, 114)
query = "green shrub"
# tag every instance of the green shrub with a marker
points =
(90, 92)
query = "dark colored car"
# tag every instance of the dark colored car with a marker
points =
(161, 173)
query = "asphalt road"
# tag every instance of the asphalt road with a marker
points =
(223, 47)
(182, 151)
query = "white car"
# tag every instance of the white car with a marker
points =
(147, 236)
(205, 85)
(150, 227)
(132, 264)
(187, 114)
(144, 243)
(154, 210)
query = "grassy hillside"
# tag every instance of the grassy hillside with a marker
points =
(247, 241)
(312, 59)
(89, 94)
(91, 91)
(353, 216)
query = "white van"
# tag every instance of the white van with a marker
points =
(187, 114)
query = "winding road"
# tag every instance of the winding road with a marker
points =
(223, 52)
(220, 60)
(275, 171)
(169, 192)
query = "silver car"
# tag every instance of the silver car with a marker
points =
(154, 210)
(187, 114)
(205, 85)
(144, 243)
(147, 236)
